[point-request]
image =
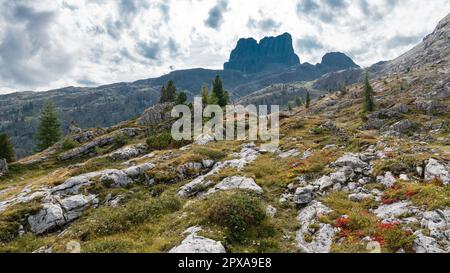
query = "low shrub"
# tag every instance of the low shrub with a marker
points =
(120, 140)
(213, 154)
(69, 144)
(163, 140)
(238, 212)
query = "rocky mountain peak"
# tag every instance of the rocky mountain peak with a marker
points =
(338, 61)
(433, 50)
(271, 53)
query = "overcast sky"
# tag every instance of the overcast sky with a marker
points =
(49, 44)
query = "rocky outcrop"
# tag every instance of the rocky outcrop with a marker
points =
(57, 212)
(271, 53)
(156, 114)
(198, 244)
(393, 210)
(247, 155)
(426, 244)
(290, 153)
(434, 169)
(314, 237)
(204, 139)
(388, 180)
(335, 61)
(128, 152)
(303, 195)
(110, 177)
(400, 127)
(433, 50)
(351, 160)
(236, 182)
(99, 142)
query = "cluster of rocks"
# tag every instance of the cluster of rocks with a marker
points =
(57, 212)
(248, 154)
(378, 119)
(433, 107)
(236, 182)
(89, 147)
(313, 236)
(437, 223)
(434, 169)
(128, 152)
(86, 136)
(194, 243)
(330, 126)
(194, 169)
(352, 173)
(64, 203)
(156, 114)
(204, 139)
(398, 128)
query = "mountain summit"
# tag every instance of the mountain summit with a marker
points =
(271, 53)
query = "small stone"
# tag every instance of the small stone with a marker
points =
(404, 177)
(359, 197)
(324, 182)
(388, 180)
(303, 195)
(393, 210)
(198, 244)
(271, 211)
(236, 182)
(290, 153)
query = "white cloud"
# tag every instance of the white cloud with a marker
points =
(55, 43)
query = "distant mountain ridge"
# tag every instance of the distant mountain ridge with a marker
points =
(109, 104)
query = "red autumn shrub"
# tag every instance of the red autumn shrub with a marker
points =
(387, 201)
(388, 226)
(342, 222)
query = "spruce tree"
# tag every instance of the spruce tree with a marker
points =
(6, 148)
(163, 95)
(171, 91)
(213, 99)
(368, 95)
(49, 131)
(168, 92)
(308, 100)
(219, 92)
(181, 98)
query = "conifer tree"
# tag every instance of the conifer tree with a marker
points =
(168, 92)
(49, 131)
(219, 92)
(171, 91)
(6, 148)
(213, 99)
(181, 98)
(368, 95)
